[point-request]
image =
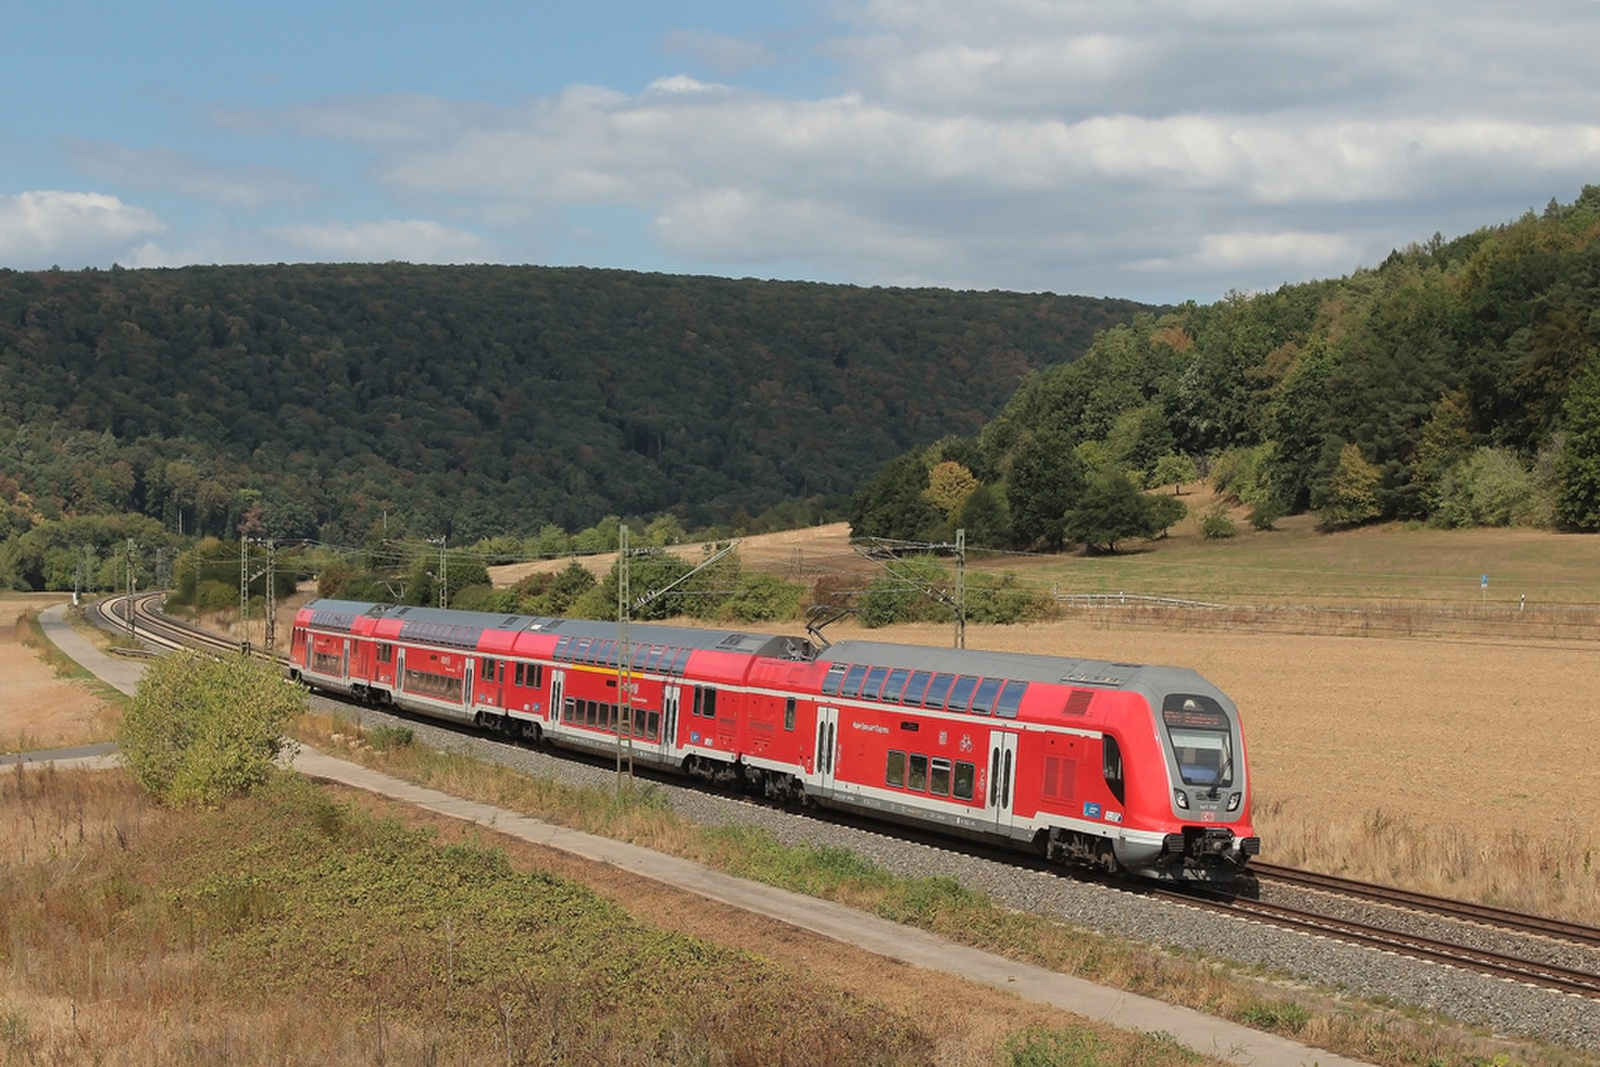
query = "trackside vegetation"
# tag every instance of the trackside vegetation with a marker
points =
(202, 728)
(291, 928)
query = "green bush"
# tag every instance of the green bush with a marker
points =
(1215, 524)
(1265, 513)
(384, 738)
(201, 728)
(762, 598)
(1490, 487)
(1005, 599)
(908, 591)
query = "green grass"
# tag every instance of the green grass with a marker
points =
(1302, 565)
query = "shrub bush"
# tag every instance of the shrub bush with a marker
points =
(1215, 524)
(201, 728)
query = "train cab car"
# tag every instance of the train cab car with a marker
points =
(1136, 769)
(1131, 768)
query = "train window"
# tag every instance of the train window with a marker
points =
(960, 692)
(708, 705)
(918, 778)
(1111, 767)
(640, 654)
(896, 772)
(502, 677)
(916, 685)
(516, 678)
(580, 649)
(983, 699)
(939, 778)
(608, 654)
(852, 681)
(652, 728)
(385, 653)
(569, 710)
(788, 714)
(536, 674)
(873, 682)
(937, 690)
(830, 681)
(894, 684)
(654, 662)
(1010, 700)
(486, 669)
(966, 774)
(563, 647)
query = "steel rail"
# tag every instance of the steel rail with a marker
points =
(1445, 907)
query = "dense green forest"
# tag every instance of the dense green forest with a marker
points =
(326, 400)
(1457, 383)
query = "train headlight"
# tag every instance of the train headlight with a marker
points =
(1182, 798)
(1233, 801)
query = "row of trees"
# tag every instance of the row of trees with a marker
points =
(478, 401)
(1457, 383)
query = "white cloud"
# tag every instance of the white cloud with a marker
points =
(48, 227)
(249, 187)
(1159, 148)
(413, 240)
(723, 54)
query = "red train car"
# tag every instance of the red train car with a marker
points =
(1128, 767)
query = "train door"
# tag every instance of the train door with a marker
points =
(469, 671)
(1002, 776)
(825, 765)
(670, 696)
(400, 669)
(558, 685)
(344, 661)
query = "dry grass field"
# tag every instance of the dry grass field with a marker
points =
(1404, 724)
(38, 709)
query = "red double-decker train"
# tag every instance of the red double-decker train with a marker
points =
(1137, 769)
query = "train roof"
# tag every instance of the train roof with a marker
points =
(464, 628)
(1019, 666)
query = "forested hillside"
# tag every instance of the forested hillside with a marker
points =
(472, 401)
(1457, 383)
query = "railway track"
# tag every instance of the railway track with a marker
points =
(157, 628)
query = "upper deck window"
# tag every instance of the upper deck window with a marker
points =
(831, 680)
(1010, 700)
(938, 689)
(852, 681)
(916, 685)
(983, 699)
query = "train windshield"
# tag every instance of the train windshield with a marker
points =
(1202, 739)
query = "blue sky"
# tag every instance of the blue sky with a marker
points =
(1158, 149)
